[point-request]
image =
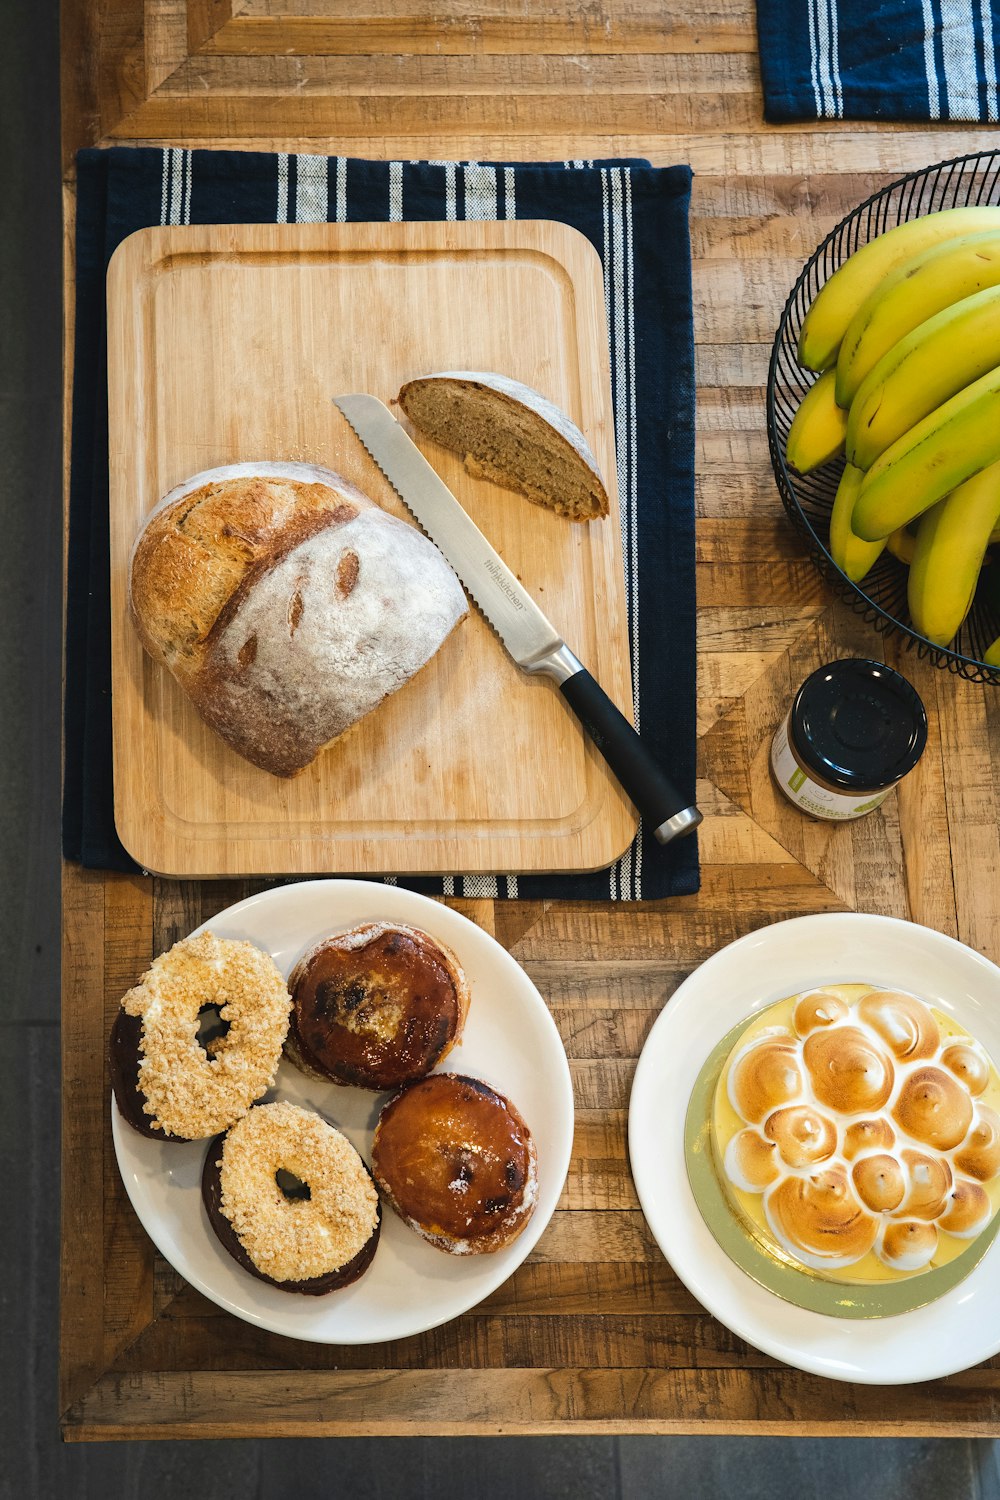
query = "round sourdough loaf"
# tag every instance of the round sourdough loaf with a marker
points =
(286, 604)
(511, 434)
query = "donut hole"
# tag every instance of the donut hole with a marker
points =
(293, 1188)
(212, 1029)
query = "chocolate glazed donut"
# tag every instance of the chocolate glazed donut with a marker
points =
(376, 1007)
(314, 1286)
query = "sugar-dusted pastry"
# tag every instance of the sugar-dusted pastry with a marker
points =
(167, 1081)
(856, 1133)
(291, 1200)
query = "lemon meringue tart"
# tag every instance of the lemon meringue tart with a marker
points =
(856, 1134)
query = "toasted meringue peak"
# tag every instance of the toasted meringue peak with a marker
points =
(933, 1107)
(868, 1129)
(751, 1162)
(816, 1010)
(907, 1246)
(968, 1065)
(765, 1076)
(903, 1022)
(980, 1153)
(968, 1209)
(849, 1072)
(930, 1182)
(819, 1220)
(803, 1136)
(879, 1182)
(868, 1135)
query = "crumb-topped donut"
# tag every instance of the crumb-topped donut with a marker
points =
(457, 1163)
(856, 1133)
(167, 1083)
(376, 1006)
(291, 1200)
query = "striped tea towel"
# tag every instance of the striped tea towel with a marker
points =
(880, 59)
(636, 217)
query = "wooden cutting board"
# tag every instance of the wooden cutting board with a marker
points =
(226, 344)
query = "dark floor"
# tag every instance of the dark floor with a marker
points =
(33, 1465)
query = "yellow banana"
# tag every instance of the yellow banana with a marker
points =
(818, 428)
(918, 288)
(951, 545)
(902, 544)
(932, 459)
(838, 299)
(852, 556)
(992, 653)
(940, 357)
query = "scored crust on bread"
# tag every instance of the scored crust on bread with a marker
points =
(509, 433)
(286, 604)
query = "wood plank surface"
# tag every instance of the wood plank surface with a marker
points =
(425, 785)
(594, 1333)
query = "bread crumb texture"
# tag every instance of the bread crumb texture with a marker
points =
(296, 1239)
(189, 1091)
(510, 434)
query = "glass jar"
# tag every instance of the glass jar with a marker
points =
(855, 728)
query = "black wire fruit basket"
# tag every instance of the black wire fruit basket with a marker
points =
(880, 597)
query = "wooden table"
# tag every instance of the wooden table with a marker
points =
(594, 1333)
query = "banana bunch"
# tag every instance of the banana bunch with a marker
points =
(904, 339)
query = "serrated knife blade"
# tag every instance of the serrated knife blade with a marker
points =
(507, 605)
(527, 634)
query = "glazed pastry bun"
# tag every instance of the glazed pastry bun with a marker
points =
(457, 1163)
(376, 1006)
(855, 1133)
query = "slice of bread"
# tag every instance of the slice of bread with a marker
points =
(510, 434)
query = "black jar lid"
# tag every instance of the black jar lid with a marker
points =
(858, 725)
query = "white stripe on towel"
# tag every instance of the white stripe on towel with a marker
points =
(958, 50)
(341, 190)
(930, 68)
(480, 191)
(282, 187)
(989, 62)
(395, 191)
(311, 190)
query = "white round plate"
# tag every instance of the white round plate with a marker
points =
(957, 1331)
(510, 1041)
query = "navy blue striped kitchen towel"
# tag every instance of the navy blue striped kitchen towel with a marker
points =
(880, 59)
(637, 219)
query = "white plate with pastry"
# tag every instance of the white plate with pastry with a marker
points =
(960, 1328)
(509, 1041)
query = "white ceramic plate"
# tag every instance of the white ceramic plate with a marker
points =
(957, 1331)
(510, 1041)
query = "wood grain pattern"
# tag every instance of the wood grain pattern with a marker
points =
(259, 327)
(144, 1355)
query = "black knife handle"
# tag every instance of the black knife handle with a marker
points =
(654, 794)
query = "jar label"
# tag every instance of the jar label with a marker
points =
(808, 794)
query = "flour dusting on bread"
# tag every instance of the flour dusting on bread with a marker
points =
(287, 605)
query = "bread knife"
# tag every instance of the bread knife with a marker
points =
(527, 635)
